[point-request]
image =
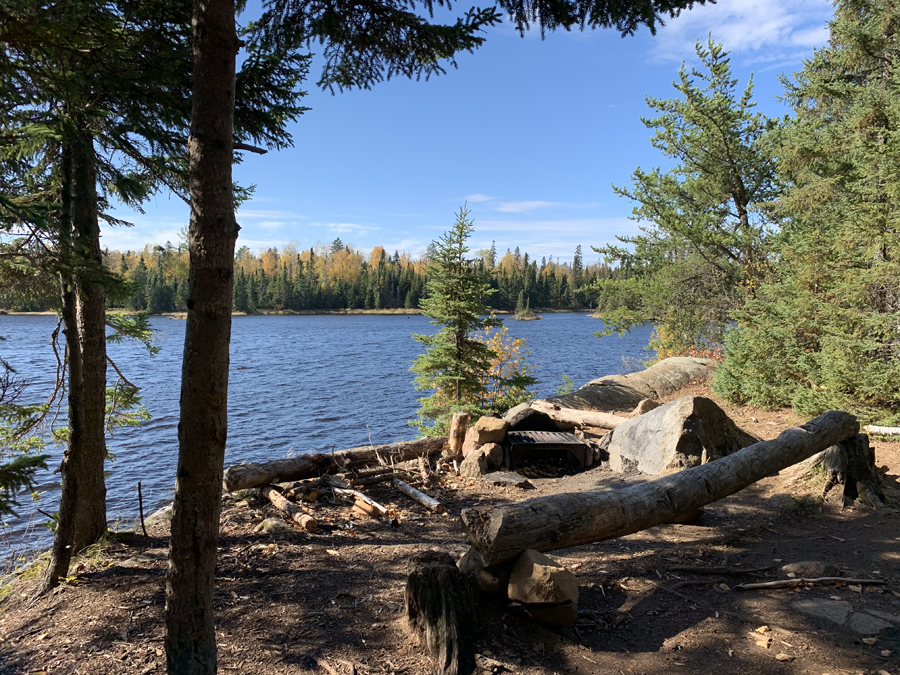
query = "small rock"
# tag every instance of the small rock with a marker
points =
(536, 579)
(474, 465)
(646, 405)
(810, 569)
(508, 479)
(489, 430)
(274, 526)
(866, 624)
(834, 611)
(885, 653)
(783, 502)
(492, 581)
(784, 657)
(869, 641)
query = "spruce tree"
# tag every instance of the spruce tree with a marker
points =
(454, 359)
(825, 333)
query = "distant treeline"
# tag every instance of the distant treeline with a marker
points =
(339, 277)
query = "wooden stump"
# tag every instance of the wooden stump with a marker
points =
(850, 464)
(439, 610)
(457, 435)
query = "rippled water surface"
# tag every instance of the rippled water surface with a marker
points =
(298, 384)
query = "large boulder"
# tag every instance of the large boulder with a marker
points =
(475, 465)
(489, 430)
(525, 418)
(687, 432)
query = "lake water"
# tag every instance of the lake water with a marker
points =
(298, 384)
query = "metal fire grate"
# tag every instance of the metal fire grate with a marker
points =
(528, 445)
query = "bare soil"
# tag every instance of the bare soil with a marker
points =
(332, 602)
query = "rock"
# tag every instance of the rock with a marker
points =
(274, 526)
(474, 465)
(866, 624)
(835, 611)
(470, 443)
(811, 569)
(527, 419)
(164, 515)
(494, 454)
(687, 432)
(508, 479)
(535, 579)
(645, 406)
(783, 502)
(560, 615)
(492, 582)
(489, 430)
(893, 618)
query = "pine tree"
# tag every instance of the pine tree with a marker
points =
(825, 334)
(454, 359)
(704, 250)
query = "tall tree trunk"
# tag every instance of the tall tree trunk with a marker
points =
(90, 509)
(190, 634)
(64, 537)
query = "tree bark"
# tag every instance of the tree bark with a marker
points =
(90, 509)
(439, 609)
(501, 533)
(457, 435)
(64, 537)
(190, 632)
(250, 475)
(579, 418)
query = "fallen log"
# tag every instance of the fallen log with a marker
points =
(429, 503)
(795, 583)
(501, 533)
(250, 475)
(580, 418)
(305, 521)
(876, 430)
(371, 507)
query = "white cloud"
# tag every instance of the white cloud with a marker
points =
(265, 214)
(478, 197)
(135, 238)
(779, 30)
(272, 224)
(343, 228)
(525, 206)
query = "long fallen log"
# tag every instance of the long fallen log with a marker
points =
(250, 475)
(305, 521)
(581, 418)
(876, 430)
(501, 533)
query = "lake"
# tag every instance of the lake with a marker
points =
(298, 384)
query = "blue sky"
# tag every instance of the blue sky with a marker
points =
(529, 133)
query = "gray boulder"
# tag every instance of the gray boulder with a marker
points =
(475, 465)
(687, 432)
(507, 479)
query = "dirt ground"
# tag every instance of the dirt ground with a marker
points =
(332, 602)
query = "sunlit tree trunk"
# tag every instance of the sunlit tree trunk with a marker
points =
(190, 634)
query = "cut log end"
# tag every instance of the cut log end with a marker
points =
(439, 610)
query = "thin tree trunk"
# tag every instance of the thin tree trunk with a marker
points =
(90, 509)
(64, 537)
(202, 429)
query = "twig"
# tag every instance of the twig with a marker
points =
(719, 570)
(793, 583)
(141, 509)
(698, 582)
(119, 373)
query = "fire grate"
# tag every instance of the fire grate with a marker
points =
(523, 446)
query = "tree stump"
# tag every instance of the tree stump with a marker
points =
(850, 464)
(439, 610)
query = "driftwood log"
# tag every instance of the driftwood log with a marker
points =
(439, 609)
(580, 418)
(876, 430)
(295, 513)
(501, 533)
(250, 475)
(429, 503)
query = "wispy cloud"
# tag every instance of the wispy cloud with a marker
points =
(272, 224)
(265, 214)
(478, 198)
(524, 207)
(344, 228)
(759, 31)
